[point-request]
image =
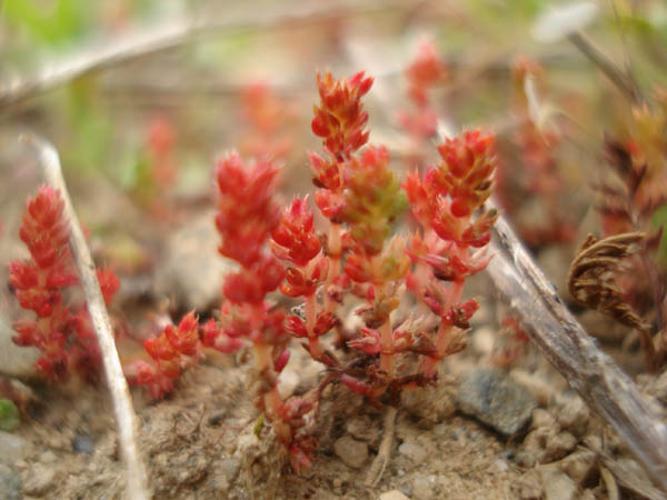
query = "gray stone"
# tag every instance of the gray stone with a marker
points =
(413, 451)
(229, 467)
(352, 453)
(10, 483)
(82, 443)
(191, 270)
(12, 448)
(423, 487)
(494, 399)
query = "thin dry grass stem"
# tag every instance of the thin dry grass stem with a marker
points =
(563, 341)
(122, 404)
(609, 483)
(383, 456)
(623, 81)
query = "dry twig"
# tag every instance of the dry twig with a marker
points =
(623, 81)
(568, 347)
(125, 417)
(384, 451)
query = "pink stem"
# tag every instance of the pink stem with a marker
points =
(334, 244)
(387, 349)
(311, 318)
(430, 363)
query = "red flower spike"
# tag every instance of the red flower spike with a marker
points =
(247, 213)
(43, 229)
(340, 118)
(62, 332)
(331, 205)
(468, 163)
(368, 341)
(214, 337)
(326, 173)
(171, 352)
(304, 281)
(325, 322)
(296, 327)
(424, 72)
(23, 275)
(159, 348)
(294, 238)
(460, 314)
(185, 338)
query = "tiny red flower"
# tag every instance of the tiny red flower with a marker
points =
(294, 238)
(368, 341)
(247, 213)
(340, 118)
(326, 172)
(424, 72)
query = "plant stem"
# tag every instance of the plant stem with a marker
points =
(334, 250)
(272, 401)
(311, 318)
(387, 346)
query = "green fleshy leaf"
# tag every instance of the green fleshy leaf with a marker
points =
(9, 415)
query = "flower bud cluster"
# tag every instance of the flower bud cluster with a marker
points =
(61, 328)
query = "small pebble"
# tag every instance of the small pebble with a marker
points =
(12, 447)
(82, 443)
(393, 495)
(352, 453)
(574, 416)
(558, 446)
(413, 451)
(496, 400)
(501, 465)
(422, 486)
(40, 480)
(10, 483)
(542, 418)
(557, 484)
(48, 457)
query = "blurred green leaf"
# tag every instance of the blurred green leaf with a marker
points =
(9, 415)
(660, 221)
(61, 21)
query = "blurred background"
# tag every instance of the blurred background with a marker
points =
(140, 97)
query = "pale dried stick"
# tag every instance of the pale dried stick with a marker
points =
(384, 451)
(564, 342)
(125, 417)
